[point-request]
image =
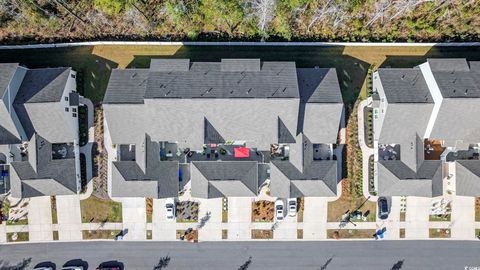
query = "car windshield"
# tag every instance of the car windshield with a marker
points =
(279, 208)
(169, 205)
(292, 203)
(384, 206)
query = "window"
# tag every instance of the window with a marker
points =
(66, 109)
(66, 98)
(74, 109)
(74, 114)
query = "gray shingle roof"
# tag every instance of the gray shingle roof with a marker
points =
(47, 176)
(448, 64)
(6, 137)
(458, 83)
(126, 86)
(207, 80)
(7, 70)
(212, 179)
(42, 85)
(319, 85)
(159, 180)
(467, 178)
(404, 85)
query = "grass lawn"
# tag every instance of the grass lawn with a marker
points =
(21, 237)
(402, 216)
(477, 232)
(23, 221)
(357, 234)
(149, 235)
(402, 233)
(477, 209)
(53, 205)
(440, 218)
(262, 234)
(100, 234)
(98, 210)
(337, 208)
(224, 234)
(439, 233)
(95, 62)
(55, 235)
(300, 206)
(299, 234)
(192, 236)
(149, 209)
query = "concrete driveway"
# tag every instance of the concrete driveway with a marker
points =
(212, 230)
(392, 223)
(416, 218)
(239, 218)
(463, 218)
(69, 217)
(315, 218)
(286, 229)
(134, 217)
(40, 219)
(163, 229)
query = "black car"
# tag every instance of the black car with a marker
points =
(382, 208)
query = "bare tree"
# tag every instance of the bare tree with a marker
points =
(406, 6)
(381, 8)
(331, 12)
(264, 11)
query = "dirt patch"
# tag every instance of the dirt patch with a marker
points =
(439, 233)
(191, 236)
(300, 206)
(263, 211)
(149, 209)
(349, 234)
(262, 234)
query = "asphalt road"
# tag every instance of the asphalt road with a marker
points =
(331, 255)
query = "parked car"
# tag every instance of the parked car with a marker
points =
(72, 268)
(43, 268)
(279, 210)
(108, 268)
(382, 208)
(292, 207)
(170, 207)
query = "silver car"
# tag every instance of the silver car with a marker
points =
(279, 210)
(292, 207)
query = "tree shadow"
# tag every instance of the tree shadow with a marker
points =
(5, 265)
(325, 265)
(93, 71)
(162, 263)
(351, 71)
(246, 264)
(398, 265)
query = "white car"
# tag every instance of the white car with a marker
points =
(170, 208)
(72, 268)
(43, 268)
(279, 210)
(292, 207)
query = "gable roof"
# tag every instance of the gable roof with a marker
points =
(404, 85)
(212, 179)
(42, 85)
(319, 85)
(158, 179)
(42, 175)
(467, 178)
(7, 70)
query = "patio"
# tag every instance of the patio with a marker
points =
(213, 152)
(388, 152)
(63, 151)
(433, 149)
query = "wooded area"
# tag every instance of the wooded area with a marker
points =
(271, 20)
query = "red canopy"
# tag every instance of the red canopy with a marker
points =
(242, 152)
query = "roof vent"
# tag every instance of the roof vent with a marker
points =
(249, 90)
(134, 75)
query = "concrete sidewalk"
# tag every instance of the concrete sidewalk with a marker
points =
(463, 218)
